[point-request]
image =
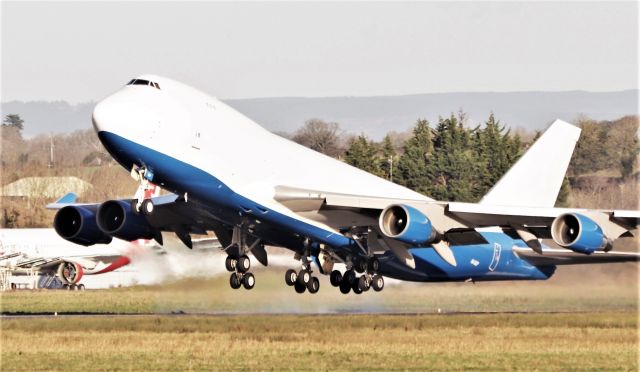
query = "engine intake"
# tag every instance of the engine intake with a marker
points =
(578, 233)
(78, 225)
(116, 218)
(407, 224)
(70, 272)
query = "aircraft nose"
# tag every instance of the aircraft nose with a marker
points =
(121, 117)
(107, 115)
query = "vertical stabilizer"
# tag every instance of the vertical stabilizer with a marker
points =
(535, 179)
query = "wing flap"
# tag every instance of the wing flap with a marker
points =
(567, 257)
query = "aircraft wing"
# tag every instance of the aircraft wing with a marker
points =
(341, 210)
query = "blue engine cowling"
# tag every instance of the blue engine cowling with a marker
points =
(116, 218)
(407, 224)
(77, 224)
(578, 233)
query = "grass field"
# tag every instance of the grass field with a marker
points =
(477, 342)
(584, 318)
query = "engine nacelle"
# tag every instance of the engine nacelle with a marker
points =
(407, 224)
(70, 272)
(78, 225)
(116, 218)
(578, 233)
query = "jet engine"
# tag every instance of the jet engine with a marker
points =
(78, 225)
(578, 233)
(117, 218)
(407, 224)
(70, 272)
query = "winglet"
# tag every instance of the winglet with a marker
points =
(535, 179)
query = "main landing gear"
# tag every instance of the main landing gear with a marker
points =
(237, 262)
(303, 280)
(240, 275)
(350, 281)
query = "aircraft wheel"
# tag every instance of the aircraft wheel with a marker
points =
(74, 287)
(360, 266)
(377, 283)
(147, 207)
(290, 277)
(349, 277)
(234, 281)
(373, 265)
(345, 287)
(248, 281)
(314, 285)
(244, 264)
(134, 206)
(363, 283)
(81, 287)
(299, 287)
(356, 288)
(14, 286)
(304, 277)
(230, 263)
(336, 278)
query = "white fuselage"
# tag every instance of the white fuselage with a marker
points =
(195, 128)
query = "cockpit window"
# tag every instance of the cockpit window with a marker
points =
(143, 82)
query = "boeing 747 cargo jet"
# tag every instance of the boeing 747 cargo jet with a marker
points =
(229, 175)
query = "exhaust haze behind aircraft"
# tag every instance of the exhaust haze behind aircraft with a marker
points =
(253, 188)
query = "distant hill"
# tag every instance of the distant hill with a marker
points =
(374, 116)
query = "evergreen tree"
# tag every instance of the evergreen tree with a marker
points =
(388, 163)
(412, 169)
(452, 168)
(495, 153)
(361, 153)
(13, 120)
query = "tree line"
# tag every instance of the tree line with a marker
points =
(446, 160)
(452, 161)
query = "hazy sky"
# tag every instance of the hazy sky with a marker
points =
(83, 51)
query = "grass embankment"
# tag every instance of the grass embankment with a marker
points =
(478, 342)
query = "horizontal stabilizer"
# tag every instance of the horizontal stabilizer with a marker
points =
(69, 198)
